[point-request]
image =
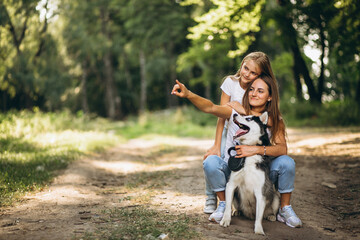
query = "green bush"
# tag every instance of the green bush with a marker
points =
(335, 113)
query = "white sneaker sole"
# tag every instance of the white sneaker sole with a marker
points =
(283, 220)
(214, 220)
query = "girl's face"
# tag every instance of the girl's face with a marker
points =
(259, 94)
(249, 71)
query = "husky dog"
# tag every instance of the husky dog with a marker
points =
(249, 188)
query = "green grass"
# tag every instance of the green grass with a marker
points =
(35, 145)
(140, 222)
(181, 122)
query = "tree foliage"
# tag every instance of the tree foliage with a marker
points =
(230, 19)
(117, 57)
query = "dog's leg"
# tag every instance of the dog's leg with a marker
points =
(274, 207)
(236, 204)
(229, 195)
(260, 207)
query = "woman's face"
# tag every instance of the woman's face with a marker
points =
(259, 93)
(249, 71)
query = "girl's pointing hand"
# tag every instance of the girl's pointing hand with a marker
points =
(180, 90)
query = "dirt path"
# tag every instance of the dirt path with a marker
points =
(165, 174)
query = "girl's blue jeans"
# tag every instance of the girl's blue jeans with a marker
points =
(217, 172)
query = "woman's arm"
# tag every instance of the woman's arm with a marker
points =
(278, 149)
(201, 103)
(216, 148)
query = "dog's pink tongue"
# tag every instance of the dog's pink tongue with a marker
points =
(240, 131)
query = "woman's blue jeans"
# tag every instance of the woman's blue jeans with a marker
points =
(217, 172)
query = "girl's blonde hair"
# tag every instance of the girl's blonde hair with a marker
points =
(272, 106)
(263, 62)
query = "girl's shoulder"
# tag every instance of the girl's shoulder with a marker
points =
(232, 78)
(230, 81)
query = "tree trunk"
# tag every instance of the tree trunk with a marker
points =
(4, 102)
(17, 40)
(208, 91)
(143, 82)
(171, 100)
(127, 71)
(303, 70)
(83, 85)
(109, 87)
(322, 67)
(298, 87)
(290, 41)
(357, 95)
(112, 100)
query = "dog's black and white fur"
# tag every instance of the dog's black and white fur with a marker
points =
(250, 189)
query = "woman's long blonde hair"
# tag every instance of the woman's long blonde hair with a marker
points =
(272, 106)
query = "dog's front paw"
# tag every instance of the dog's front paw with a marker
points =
(271, 218)
(259, 230)
(225, 221)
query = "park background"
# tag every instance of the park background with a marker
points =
(79, 76)
(117, 59)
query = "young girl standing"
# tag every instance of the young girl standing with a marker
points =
(233, 89)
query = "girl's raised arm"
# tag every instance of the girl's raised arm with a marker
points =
(201, 103)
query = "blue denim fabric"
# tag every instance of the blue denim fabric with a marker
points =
(217, 174)
(282, 173)
(223, 142)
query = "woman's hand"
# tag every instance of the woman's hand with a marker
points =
(237, 107)
(247, 151)
(214, 150)
(180, 90)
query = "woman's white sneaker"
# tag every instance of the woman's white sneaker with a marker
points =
(288, 216)
(210, 204)
(219, 213)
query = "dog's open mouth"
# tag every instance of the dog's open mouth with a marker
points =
(243, 129)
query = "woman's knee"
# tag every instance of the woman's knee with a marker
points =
(283, 173)
(288, 163)
(211, 163)
(285, 163)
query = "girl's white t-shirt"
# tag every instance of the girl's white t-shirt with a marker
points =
(233, 89)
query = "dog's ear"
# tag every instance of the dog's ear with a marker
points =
(264, 118)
